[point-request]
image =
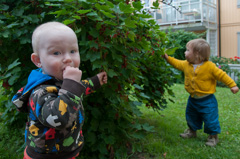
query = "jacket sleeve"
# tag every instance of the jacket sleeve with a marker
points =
(222, 76)
(178, 64)
(54, 107)
(91, 84)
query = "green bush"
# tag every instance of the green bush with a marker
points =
(221, 62)
(113, 36)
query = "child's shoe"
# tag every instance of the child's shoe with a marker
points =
(212, 140)
(188, 133)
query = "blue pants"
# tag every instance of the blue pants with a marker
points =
(203, 110)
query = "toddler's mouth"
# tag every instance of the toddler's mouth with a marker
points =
(64, 68)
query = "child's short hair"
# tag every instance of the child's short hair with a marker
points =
(41, 28)
(201, 49)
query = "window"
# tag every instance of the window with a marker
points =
(238, 3)
(238, 43)
(147, 3)
(213, 41)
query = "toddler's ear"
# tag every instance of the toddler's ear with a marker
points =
(36, 60)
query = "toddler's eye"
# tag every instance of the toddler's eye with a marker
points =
(72, 51)
(56, 53)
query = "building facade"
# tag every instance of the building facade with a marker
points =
(220, 19)
(229, 28)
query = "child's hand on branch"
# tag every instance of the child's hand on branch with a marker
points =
(102, 76)
(234, 89)
(165, 56)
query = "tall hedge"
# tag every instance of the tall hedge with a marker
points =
(114, 35)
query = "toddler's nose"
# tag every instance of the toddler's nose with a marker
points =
(67, 58)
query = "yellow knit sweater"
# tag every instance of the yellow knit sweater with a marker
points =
(203, 80)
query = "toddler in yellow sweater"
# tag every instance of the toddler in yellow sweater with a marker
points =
(200, 78)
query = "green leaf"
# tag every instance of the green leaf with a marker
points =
(170, 92)
(34, 18)
(144, 15)
(110, 4)
(53, 5)
(12, 25)
(93, 44)
(2, 77)
(78, 30)
(131, 36)
(94, 32)
(84, 11)
(109, 15)
(14, 64)
(13, 78)
(156, 4)
(125, 8)
(102, 7)
(68, 21)
(130, 23)
(60, 12)
(27, 19)
(111, 73)
(5, 76)
(110, 23)
(98, 64)
(138, 5)
(137, 126)
(145, 44)
(138, 87)
(116, 57)
(109, 140)
(25, 40)
(68, 1)
(92, 14)
(4, 7)
(93, 56)
(148, 127)
(77, 17)
(144, 95)
(6, 33)
(137, 103)
(135, 109)
(16, 70)
(18, 12)
(171, 51)
(138, 135)
(96, 18)
(151, 21)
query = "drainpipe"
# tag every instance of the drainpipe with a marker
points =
(219, 28)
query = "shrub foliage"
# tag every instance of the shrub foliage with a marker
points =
(116, 36)
(183, 37)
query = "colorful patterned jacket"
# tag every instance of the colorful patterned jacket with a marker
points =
(56, 114)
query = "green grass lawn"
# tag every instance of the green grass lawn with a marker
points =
(166, 143)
